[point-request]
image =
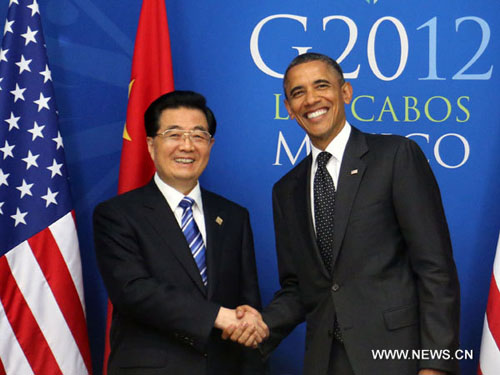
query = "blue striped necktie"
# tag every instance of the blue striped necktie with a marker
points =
(193, 236)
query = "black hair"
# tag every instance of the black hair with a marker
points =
(313, 56)
(174, 100)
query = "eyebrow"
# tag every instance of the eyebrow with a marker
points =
(196, 127)
(321, 81)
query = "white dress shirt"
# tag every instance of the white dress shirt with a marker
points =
(174, 197)
(336, 147)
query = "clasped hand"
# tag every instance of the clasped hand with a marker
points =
(243, 325)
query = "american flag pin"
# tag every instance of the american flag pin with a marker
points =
(219, 220)
(354, 171)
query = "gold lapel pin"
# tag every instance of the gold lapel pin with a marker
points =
(219, 220)
(354, 171)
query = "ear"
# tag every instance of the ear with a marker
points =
(346, 92)
(151, 149)
(288, 109)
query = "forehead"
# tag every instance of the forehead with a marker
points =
(310, 72)
(183, 117)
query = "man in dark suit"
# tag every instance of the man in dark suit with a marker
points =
(364, 253)
(177, 259)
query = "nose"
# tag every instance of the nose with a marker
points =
(186, 143)
(310, 97)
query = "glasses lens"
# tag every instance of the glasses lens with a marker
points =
(199, 136)
(172, 134)
(177, 135)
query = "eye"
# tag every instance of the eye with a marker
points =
(200, 136)
(173, 134)
(297, 94)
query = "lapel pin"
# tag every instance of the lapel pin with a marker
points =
(219, 220)
(354, 171)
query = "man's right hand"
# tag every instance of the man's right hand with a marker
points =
(250, 329)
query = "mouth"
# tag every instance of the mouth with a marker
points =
(316, 114)
(184, 160)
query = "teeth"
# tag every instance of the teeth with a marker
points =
(317, 113)
(184, 161)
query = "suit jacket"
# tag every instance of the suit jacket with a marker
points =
(394, 283)
(163, 315)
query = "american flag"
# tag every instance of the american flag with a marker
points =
(42, 312)
(489, 359)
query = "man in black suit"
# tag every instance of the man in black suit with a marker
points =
(177, 259)
(364, 252)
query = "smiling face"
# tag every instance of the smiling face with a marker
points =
(315, 99)
(180, 163)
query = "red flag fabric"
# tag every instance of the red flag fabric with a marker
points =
(43, 328)
(489, 359)
(151, 77)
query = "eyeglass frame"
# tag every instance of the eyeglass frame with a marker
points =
(185, 133)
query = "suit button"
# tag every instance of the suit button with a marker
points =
(335, 287)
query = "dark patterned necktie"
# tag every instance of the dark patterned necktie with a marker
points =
(324, 210)
(324, 206)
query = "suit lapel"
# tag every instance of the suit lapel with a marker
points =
(351, 173)
(302, 201)
(214, 223)
(163, 220)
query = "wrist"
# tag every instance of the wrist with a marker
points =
(223, 318)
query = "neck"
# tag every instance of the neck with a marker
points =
(183, 187)
(323, 142)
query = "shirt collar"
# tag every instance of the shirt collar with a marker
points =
(337, 146)
(174, 197)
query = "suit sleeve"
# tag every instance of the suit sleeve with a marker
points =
(136, 294)
(286, 310)
(253, 363)
(421, 217)
(249, 291)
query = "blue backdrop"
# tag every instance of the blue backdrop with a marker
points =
(421, 69)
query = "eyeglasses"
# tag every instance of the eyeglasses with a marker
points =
(197, 137)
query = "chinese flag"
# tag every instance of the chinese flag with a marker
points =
(151, 77)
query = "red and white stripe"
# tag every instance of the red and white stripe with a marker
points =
(489, 359)
(42, 311)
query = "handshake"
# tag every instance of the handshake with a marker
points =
(243, 325)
